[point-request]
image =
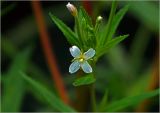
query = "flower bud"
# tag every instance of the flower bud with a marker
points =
(72, 9)
(98, 23)
(99, 18)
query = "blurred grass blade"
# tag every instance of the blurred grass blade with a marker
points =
(140, 84)
(103, 102)
(130, 101)
(54, 101)
(122, 66)
(116, 20)
(8, 47)
(7, 9)
(85, 80)
(10, 51)
(13, 85)
(139, 46)
(110, 44)
(147, 12)
(68, 33)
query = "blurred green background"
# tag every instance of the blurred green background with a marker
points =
(128, 69)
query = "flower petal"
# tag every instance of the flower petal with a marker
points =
(75, 51)
(74, 67)
(86, 67)
(89, 54)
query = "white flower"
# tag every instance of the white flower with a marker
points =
(72, 9)
(80, 60)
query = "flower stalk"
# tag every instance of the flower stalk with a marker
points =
(98, 23)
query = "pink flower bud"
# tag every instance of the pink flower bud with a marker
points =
(72, 9)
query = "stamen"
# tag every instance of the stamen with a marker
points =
(81, 60)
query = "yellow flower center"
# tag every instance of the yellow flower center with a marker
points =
(81, 58)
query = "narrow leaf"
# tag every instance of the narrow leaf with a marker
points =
(107, 27)
(85, 15)
(68, 33)
(54, 101)
(130, 101)
(87, 79)
(110, 44)
(116, 20)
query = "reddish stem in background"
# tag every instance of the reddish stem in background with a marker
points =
(88, 7)
(46, 46)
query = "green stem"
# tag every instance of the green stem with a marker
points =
(79, 31)
(93, 92)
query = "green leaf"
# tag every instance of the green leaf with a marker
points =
(68, 33)
(116, 20)
(13, 85)
(85, 31)
(79, 32)
(85, 80)
(54, 101)
(107, 27)
(110, 44)
(130, 101)
(84, 14)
